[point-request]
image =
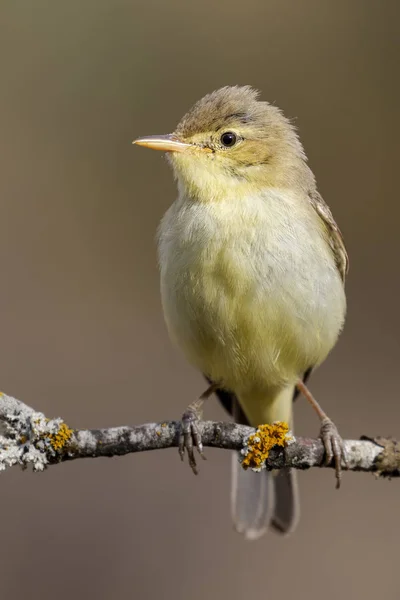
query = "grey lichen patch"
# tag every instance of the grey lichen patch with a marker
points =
(29, 438)
(86, 439)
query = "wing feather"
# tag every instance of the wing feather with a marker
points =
(334, 234)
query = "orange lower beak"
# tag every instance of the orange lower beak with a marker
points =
(165, 143)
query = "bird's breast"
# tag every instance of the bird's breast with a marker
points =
(249, 289)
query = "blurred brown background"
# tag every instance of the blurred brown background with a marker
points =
(82, 334)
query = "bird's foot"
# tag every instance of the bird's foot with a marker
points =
(334, 447)
(190, 436)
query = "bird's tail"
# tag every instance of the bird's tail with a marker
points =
(260, 500)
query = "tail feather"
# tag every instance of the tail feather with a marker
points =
(252, 500)
(287, 506)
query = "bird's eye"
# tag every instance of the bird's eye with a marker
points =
(228, 139)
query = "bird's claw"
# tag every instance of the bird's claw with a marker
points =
(334, 447)
(190, 438)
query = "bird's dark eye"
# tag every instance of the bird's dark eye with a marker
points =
(228, 139)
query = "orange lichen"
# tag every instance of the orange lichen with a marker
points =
(260, 443)
(60, 439)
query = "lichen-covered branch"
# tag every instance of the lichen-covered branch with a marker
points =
(29, 438)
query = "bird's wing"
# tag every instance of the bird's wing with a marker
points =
(334, 234)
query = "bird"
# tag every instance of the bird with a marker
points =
(252, 273)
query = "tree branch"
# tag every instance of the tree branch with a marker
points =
(27, 438)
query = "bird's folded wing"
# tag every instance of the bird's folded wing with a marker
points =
(334, 233)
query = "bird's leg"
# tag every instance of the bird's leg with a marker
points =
(189, 436)
(333, 443)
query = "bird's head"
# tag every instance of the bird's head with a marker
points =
(232, 142)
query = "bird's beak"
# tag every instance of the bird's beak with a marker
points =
(165, 143)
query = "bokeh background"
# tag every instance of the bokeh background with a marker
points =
(82, 334)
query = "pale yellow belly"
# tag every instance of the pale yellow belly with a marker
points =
(252, 313)
(245, 336)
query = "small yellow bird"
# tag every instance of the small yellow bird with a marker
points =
(252, 280)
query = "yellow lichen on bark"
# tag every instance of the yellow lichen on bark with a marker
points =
(60, 439)
(260, 443)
